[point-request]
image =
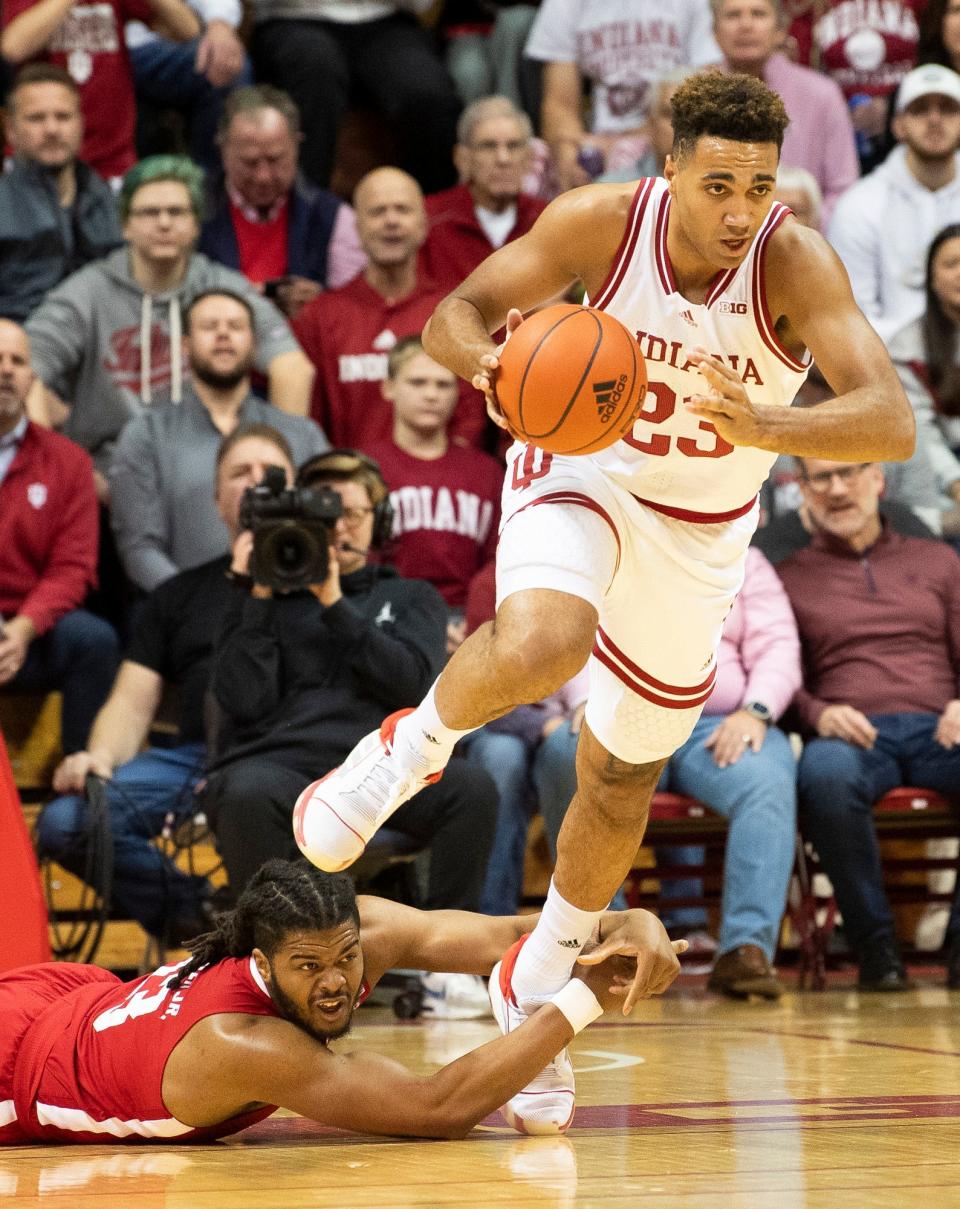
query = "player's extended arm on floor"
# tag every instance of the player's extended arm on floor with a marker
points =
(266, 1060)
(400, 937)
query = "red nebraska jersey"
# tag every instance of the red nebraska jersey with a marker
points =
(82, 1054)
(446, 513)
(347, 334)
(89, 44)
(867, 46)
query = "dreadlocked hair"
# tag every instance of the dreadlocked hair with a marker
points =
(726, 105)
(281, 897)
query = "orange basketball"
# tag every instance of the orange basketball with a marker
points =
(571, 379)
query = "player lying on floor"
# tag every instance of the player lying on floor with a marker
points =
(209, 1046)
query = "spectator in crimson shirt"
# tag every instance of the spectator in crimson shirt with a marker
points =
(49, 524)
(879, 621)
(88, 40)
(867, 49)
(446, 498)
(487, 208)
(347, 333)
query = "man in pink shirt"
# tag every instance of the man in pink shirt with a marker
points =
(820, 136)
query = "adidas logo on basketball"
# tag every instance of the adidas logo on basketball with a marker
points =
(607, 395)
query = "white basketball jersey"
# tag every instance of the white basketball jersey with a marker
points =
(674, 460)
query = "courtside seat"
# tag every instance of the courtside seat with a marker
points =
(907, 813)
(679, 821)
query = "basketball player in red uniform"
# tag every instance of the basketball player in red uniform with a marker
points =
(204, 1048)
(631, 557)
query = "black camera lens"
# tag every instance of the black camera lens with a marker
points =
(292, 553)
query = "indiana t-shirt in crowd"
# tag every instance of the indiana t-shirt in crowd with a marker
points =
(89, 44)
(446, 515)
(867, 46)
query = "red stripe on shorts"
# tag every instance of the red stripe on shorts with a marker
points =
(573, 497)
(679, 690)
(641, 690)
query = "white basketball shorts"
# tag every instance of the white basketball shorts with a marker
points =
(661, 586)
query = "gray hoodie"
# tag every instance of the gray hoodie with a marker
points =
(104, 345)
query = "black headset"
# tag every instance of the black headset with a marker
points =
(316, 468)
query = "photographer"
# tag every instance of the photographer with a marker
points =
(161, 508)
(171, 646)
(300, 675)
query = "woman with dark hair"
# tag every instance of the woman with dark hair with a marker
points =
(927, 358)
(940, 34)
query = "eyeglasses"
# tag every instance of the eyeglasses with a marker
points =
(491, 147)
(154, 213)
(354, 516)
(847, 475)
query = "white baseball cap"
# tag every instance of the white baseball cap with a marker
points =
(925, 81)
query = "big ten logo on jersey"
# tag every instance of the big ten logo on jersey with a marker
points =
(725, 307)
(148, 996)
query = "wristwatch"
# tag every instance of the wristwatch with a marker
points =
(756, 709)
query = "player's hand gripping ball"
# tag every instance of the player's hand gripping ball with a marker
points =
(571, 380)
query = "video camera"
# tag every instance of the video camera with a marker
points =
(292, 528)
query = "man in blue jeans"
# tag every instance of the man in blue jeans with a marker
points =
(172, 644)
(879, 621)
(194, 77)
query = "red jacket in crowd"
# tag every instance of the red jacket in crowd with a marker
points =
(456, 243)
(347, 334)
(49, 529)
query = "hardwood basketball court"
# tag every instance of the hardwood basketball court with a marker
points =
(827, 1099)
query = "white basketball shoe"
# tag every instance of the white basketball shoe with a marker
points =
(336, 816)
(546, 1105)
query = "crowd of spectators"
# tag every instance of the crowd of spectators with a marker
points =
(206, 274)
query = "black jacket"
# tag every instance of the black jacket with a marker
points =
(40, 242)
(301, 684)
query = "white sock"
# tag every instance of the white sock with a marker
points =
(547, 958)
(422, 737)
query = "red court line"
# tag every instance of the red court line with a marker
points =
(848, 1110)
(773, 1032)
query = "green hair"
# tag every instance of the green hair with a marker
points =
(163, 168)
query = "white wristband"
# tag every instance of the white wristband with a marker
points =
(578, 1003)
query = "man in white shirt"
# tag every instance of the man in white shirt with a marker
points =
(882, 226)
(622, 48)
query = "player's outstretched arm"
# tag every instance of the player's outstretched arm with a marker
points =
(400, 937)
(812, 306)
(264, 1060)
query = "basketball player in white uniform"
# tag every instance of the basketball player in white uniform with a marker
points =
(633, 556)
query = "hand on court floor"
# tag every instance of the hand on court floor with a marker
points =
(726, 405)
(490, 363)
(643, 957)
